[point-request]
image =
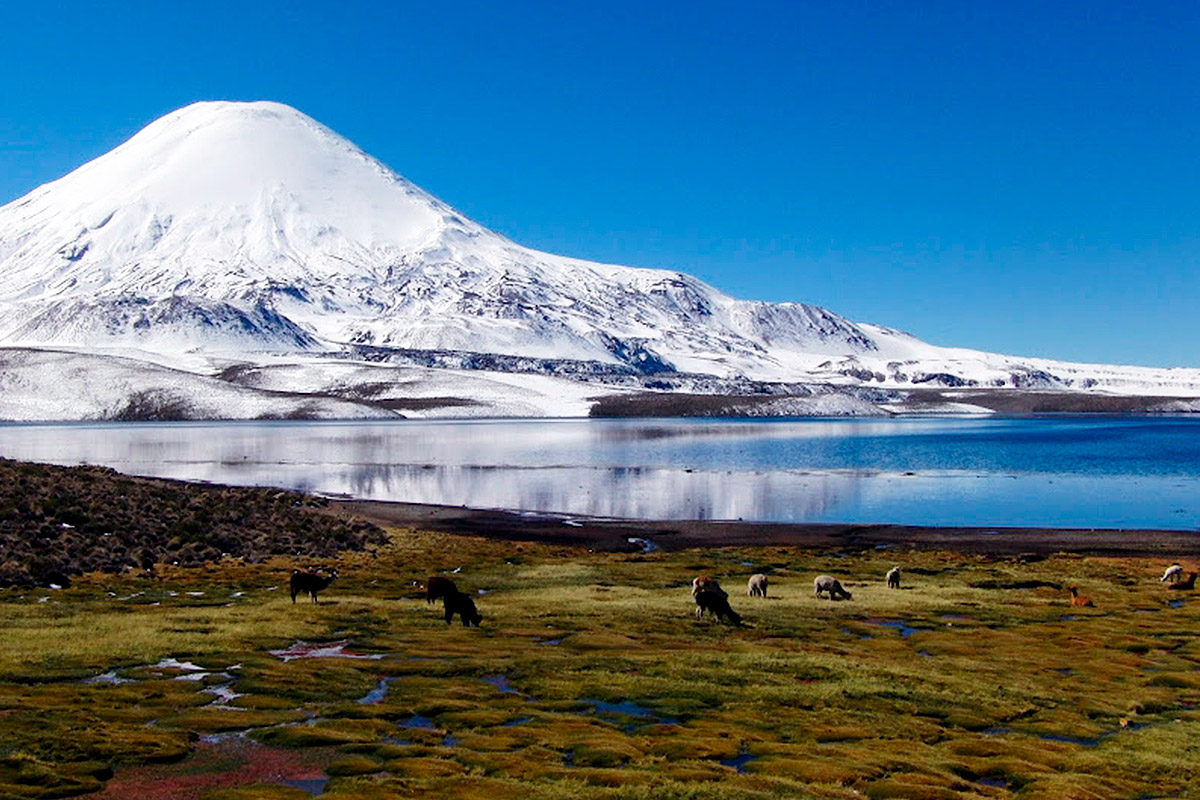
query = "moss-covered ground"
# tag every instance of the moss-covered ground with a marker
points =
(591, 678)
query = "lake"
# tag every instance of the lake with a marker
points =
(1112, 472)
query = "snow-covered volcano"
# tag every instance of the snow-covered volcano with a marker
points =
(250, 226)
(249, 232)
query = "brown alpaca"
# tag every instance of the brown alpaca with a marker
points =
(703, 583)
(437, 587)
(1081, 600)
(1186, 585)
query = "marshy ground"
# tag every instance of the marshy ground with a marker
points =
(591, 678)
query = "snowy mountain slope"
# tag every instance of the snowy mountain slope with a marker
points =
(423, 392)
(249, 233)
(45, 385)
(249, 226)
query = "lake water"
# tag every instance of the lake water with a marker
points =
(1063, 471)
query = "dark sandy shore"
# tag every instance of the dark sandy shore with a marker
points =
(615, 535)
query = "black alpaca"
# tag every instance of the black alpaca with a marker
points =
(461, 604)
(717, 605)
(310, 582)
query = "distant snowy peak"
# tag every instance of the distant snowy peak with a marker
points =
(250, 226)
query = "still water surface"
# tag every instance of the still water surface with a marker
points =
(1062, 471)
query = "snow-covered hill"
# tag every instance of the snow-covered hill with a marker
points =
(248, 230)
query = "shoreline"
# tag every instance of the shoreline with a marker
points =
(615, 535)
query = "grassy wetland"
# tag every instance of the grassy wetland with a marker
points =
(591, 678)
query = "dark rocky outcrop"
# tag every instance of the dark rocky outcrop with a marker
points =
(59, 522)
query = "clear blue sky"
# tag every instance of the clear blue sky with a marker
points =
(1020, 177)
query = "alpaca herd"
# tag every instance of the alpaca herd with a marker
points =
(706, 592)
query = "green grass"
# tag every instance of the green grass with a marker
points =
(994, 695)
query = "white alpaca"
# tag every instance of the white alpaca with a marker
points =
(1173, 574)
(893, 578)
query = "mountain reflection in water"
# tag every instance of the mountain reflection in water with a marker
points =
(1071, 472)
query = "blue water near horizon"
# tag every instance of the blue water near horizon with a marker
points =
(1060, 471)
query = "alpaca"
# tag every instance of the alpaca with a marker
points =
(717, 605)
(893, 577)
(827, 583)
(1080, 600)
(1173, 574)
(437, 587)
(456, 602)
(757, 586)
(310, 583)
(1184, 585)
(704, 583)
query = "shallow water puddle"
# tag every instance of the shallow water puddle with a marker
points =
(903, 627)
(417, 722)
(377, 694)
(174, 663)
(849, 632)
(313, 786)
(628, 708)
(109, 677)
(739, 761)
(512, 723)
(501, 683)
(300, 649)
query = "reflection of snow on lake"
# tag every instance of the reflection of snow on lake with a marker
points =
(1081, 472)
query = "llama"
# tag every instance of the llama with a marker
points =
(757, 586)
(717, 605)
(1174, 574)
(310, 583)
(437, 587)
(1185, 585)
(893, 577)
(1080, 600)
(703, 583)
(827, 583)
(456, 602)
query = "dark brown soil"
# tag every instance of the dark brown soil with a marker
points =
(615, 535)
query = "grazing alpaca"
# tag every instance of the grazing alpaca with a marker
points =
(458, 603)
(703, 583)
(757, 586)
(1080, 600)
(717, 605)
(1173, 574)
(310, 583)
(827, 583)
(437, 587)
(893, 577)
(1186, 585)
